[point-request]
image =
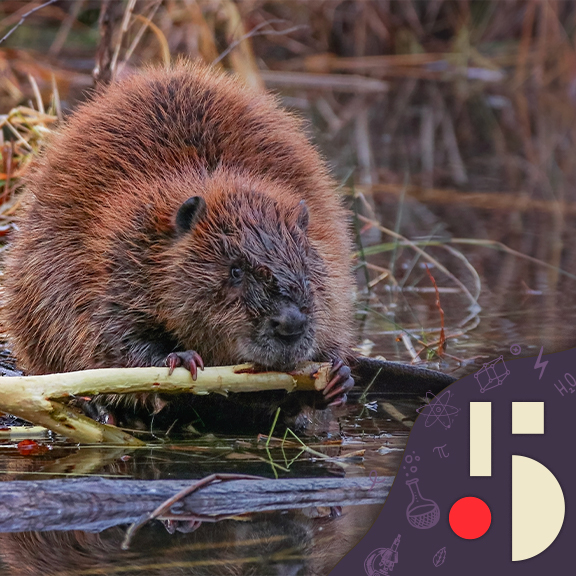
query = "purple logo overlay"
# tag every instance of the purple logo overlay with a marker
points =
(495, 489)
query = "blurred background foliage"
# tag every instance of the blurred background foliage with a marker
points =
(449, 125)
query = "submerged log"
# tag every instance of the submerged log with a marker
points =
(95, 504)
(387, 378)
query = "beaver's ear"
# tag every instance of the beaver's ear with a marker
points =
(189, 214)
(302, 217)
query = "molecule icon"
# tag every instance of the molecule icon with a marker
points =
(492, 374)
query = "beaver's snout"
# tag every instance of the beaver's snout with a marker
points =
(289, 324)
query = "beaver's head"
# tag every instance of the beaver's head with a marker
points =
(250, 282)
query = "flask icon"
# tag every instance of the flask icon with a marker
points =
(422, 512)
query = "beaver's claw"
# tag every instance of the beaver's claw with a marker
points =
(341, 381)
(189, 359)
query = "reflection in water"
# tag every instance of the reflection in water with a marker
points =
(295, 542)
(282, 544)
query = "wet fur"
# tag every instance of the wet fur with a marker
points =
(99, 275)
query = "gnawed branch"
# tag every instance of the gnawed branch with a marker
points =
(36, 398)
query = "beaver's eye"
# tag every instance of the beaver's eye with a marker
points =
(236, 273)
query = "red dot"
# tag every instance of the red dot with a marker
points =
(470, 517)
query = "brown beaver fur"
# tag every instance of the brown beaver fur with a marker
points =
(179, 210)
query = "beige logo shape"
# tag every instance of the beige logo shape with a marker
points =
(538, 506)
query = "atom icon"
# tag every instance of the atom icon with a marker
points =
(438, 410)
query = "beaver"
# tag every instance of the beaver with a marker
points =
(180, 218)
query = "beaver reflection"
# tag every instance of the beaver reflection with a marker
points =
(278, 544)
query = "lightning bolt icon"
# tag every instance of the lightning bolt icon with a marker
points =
(541, 365)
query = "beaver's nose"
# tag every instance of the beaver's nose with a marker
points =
(289, 324)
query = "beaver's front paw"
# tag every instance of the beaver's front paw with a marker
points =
(341, 382)
(189, 359)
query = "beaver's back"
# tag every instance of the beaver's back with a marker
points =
(161, 119)
(85, 191)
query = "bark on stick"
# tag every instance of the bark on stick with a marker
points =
(35, 398)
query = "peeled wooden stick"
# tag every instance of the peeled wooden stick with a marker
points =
(33, 397)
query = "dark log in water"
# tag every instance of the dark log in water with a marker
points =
(396, 379)
(94, 504)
